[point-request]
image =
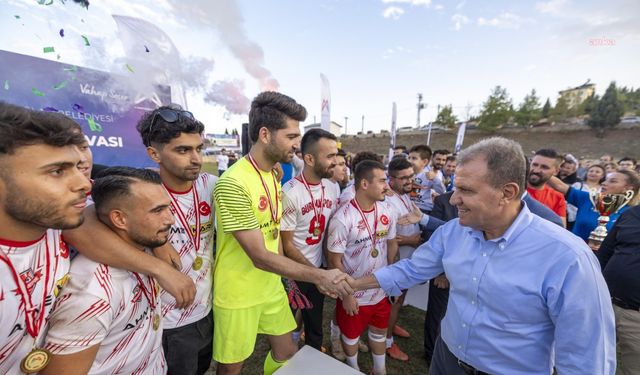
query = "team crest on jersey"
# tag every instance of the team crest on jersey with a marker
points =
(137, 294)
(204, 209)
(262, 203)
(384, 220)
(30, 278)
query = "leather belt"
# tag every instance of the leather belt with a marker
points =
(470, 370)
(622, 304)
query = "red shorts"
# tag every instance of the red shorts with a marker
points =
(375, 315)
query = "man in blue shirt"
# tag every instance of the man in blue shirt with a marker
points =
(525, 294)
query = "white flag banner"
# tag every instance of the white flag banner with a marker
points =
(394, 116)
(325, 109)
(460, 138)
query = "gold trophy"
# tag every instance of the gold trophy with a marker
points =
(606, 205)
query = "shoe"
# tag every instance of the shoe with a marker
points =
(336, 349)
(400, 332)
(362, 346)
(395, 353)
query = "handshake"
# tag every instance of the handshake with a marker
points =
(336, 283)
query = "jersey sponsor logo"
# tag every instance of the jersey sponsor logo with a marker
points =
(137, 322)
(309, 206)
(262, 203)
(384, 220)
(204, 227)
(60, 284)
(177, 230)
(204, 209)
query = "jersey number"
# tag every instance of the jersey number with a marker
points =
(313, 240)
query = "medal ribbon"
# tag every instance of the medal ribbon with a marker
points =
(33, 323)
(274, 214)
(316, 213)
(408, 207)
(373, 236)
(195, 238)
(150, 295)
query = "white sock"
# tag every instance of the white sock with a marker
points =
(378, 364)
(296, 336)
(335, 330)
(353, 361)
(389, 342)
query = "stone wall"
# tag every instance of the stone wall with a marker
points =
(579, 141)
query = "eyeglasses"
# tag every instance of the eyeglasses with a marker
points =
(405, 178)
(170, 116)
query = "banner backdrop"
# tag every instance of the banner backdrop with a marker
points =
(98, 101)
(325, 105)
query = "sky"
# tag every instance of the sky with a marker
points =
(374, 52)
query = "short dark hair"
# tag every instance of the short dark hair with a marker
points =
(450, 158)
(399, 164)
(115, 182)
(311, 137)
(627, 158)
(21, 127)
(550, 153)
(424, 151)
(163, 132)
(270, 110)
(341, 153)
(441, 152)
(364, 171)
(362, 156)
(401, 147)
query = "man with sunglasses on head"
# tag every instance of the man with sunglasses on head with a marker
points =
(174, 140)
(249, 297)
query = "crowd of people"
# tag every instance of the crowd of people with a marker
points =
(158, 271)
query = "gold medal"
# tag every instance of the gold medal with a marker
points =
(35, 361)
(375, 252)
(156, 322)
(316, 232)
(197, 263)
(274, 233)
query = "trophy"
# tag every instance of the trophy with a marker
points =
(606, 205)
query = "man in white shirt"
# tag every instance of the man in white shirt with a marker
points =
(107, 320)
(308, 202)
(42, 191)
(361, 240)
(223, 161)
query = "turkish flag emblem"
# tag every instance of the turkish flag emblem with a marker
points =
(204, 209)
(262, 203)
(384, 220)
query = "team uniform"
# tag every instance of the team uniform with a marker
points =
(347, 195)
(351, 235)
(401, 205)
(423, 186)
(308, 220)
(188, 332)
(115, 308)
(246, 300)
(31, 275)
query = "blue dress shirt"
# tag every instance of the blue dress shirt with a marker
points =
(513, 299)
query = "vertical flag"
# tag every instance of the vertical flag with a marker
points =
(394, 114)
(325, 109)
(460, 137)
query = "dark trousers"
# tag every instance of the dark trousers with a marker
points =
(436, 309)
(312, 318)
(445, 363)
(189, 349)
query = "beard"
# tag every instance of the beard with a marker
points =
(275, 155)
(537, 180)
(45, 213)
(322, 172)
(148, 241)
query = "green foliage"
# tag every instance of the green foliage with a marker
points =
(529, 111)
(446, 117)
(497, 110)
(630, 99)
(561, 110)
(607, 112)
(546, 109)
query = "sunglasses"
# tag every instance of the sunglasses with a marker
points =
(168, 115)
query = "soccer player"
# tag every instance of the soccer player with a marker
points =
(107, 320)
(174, 140)
(42, 190)
(361, 239)
(308, 202)
(249, 297)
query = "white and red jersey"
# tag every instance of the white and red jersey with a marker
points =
(348, 234)
(302, 216)
(192, 237)
(41, 266)
(347, 195)
(402, 205)
(113, 308)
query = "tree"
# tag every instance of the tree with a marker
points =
(589, 105)
(497, 110)
(546, 109)
(446, 117)
(529, 111)
(226, 131)
(561, 109)
(234, 131)
(607, 112)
